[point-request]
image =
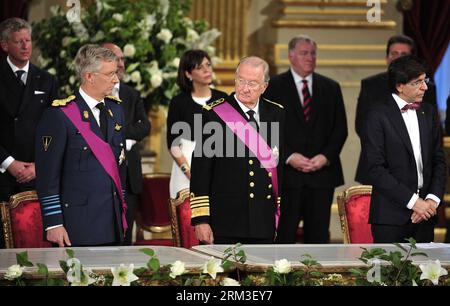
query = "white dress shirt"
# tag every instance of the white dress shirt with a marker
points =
(412, 125)
(299, 84)
(245, 109)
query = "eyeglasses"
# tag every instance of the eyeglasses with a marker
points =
(420, 82)
(251, 84)
(110, 75)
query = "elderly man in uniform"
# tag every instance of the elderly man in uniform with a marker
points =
(80, 158)
(234, 197)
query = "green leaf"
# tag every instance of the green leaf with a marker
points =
(148, 252)
(42, 269)
(70, 253)
(154, 264)
(419, 254)
(401, 247)
(22, 259)
(64, 266)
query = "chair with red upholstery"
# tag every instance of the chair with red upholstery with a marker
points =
(22, 222)
(153, 212)
(354, 207)
(183, 233)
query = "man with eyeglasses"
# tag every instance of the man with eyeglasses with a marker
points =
(80, 158)
(25, 91)
(236, 170)
(316, 129)
(405, 160)
(375, 90)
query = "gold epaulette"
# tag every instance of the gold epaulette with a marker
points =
(63, 102)
(277, 104)
(115, 99)
(199, 206)
(213, 104)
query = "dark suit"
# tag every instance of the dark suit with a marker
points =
(392, 168)
(20, 110)
(73, 187)
(374, 90)
(240, 202)
(137, 127)
(310, 194)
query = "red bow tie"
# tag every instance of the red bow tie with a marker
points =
(414, 106)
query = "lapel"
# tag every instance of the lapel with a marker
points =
(316, 98)
(33, 79)
(267, 117)
(84, 108)
(293, 96)
(124, 95)
(424, 131)
(236, 106)
(12, 93)
(396, 118)
(111, 120)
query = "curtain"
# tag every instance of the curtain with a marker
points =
(427, 22)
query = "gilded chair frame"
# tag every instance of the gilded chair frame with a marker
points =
(5, 210)
(140, 227)
(342, 199)
(182, 195)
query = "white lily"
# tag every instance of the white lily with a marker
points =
(229, 282)
(212, 267)
(123, 275)
(76, 279)
(177, 268)
(14, 272)
(432, 271)
(282, 266)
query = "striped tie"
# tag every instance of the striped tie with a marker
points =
(306, 100)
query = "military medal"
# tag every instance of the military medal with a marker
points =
(110, 112)
(121, 156)
(86, 115)
(46, 142)
(117, 127)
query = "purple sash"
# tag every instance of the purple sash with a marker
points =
(102, 151)
(254, 143)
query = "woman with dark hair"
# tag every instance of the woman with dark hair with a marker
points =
(194, 78)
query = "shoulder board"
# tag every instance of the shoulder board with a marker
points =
(277, 104)
(213, 104)
(115, 99)
(274, 103)
(63, 102)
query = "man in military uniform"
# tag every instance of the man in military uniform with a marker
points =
(80, 158)
(234, 197)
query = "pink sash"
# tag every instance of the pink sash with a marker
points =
(102, 151)
(262, 151)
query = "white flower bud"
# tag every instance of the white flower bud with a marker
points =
(118, 17)
(156, 80)
(129, 50)
(136, 77)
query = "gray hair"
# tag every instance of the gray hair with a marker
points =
(11, 25)
(255, 61)
(89, 58)
(300, 38)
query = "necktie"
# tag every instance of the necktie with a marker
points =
(413, 106)
(306, 100)
(19, 74)
(251, 114)
(103, 119)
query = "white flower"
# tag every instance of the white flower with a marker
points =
(72, 80)
(52, 71)
(136, 77)
(76, 279)
(99, 36)
(129, 50)
(212, 267)
(66, 41)
(192, 35)
(118, 17)
(164, 8)
(165, 35)
(414, 284)
(229, 282)
(177, 268)
(126, 78)
(62, 54)
(282, 266)
(43, 61)
(432, 271)
(210, 50)
(176, 62)
(156, 80)
(13, 272)
(123, 276)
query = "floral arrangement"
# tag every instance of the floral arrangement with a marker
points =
(396, 270)
(153, 34)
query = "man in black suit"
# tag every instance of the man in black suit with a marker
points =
(374, 90)
(405, 159)
(234, 194)
(316, 129)
(137, 126)
(25, 91)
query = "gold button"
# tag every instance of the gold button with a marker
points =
(270, 186)
(270, 174)
(269, 197)
(251, 173)
(250, 162)
(252, 195)
(252, 184)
